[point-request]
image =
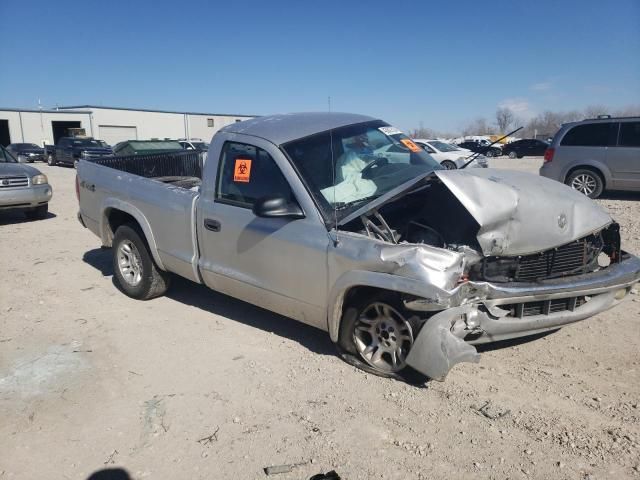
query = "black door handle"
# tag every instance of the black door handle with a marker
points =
(213, 225)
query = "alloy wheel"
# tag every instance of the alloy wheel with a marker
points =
(584, 183)
(383, 337)
(129, 263)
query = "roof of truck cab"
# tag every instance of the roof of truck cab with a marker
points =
(284, 128)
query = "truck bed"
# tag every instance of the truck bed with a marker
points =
(159, 191)
(182, 169)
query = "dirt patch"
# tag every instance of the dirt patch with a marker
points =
(92, 379)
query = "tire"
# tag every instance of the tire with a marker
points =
(489, 154)
(512, 155)
(376, 323)
(449, 165)
(586, 181)
(134, 270)
(51, 160)
(38, 213)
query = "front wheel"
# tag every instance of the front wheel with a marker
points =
(587, 182)
(489, 154)
(376, 335)
(135, 271)
(449, 165)
(512, 155)
(51, 161)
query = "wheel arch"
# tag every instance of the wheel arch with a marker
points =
(115, 213)
(357, 282)
(595, 167)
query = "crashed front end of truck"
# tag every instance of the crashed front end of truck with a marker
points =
(479, 256)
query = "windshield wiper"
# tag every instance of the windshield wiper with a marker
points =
(343, 205)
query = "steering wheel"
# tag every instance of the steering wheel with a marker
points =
(377, 161)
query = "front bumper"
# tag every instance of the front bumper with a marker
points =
(25, 197)
(482, 312)
(37, 157)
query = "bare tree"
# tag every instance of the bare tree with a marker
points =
(479, 126)
(592, 111)
(544, 125)
(504, 119)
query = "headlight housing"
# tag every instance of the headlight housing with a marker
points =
(40, 179)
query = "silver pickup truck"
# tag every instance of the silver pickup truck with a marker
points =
(342, 222)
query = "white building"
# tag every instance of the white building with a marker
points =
(111, 124)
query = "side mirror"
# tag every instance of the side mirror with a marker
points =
(276, 207)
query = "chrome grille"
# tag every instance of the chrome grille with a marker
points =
(574, 258)
(545, 307)
(17, 181)
(562, 260)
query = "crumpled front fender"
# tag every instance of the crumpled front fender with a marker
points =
(440, 345)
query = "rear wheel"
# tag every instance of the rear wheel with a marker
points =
(38, 213)
(512, 155)
(449, 165)
(51, 161)
(586, 181)
(376, 335)
(136, 274)
(489, 154)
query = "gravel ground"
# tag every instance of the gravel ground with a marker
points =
(199, 385)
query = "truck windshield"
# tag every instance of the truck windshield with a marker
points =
(346, 167)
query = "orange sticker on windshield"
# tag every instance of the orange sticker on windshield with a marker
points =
(242, 170)
(410, 145)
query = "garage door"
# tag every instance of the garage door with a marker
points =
(113, 134)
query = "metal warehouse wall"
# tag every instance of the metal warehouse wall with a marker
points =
(114, 125)
(35, 127)
(198, 125)
(147, 125)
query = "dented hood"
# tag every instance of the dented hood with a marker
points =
(520, 213)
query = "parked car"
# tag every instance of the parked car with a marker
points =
(481, 147)
(450, 156)
(596, 155)
(406, 265)
(69, 150)
(527, 147)
(23, 187)
(146, 147)
(194, 144)
(26, 152)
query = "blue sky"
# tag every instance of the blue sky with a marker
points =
(439, 63)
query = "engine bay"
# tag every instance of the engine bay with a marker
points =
(428, 215)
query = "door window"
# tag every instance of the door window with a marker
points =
(629, 134)
(247, 173)
(591, 135)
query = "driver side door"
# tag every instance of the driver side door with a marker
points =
(277, 263)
